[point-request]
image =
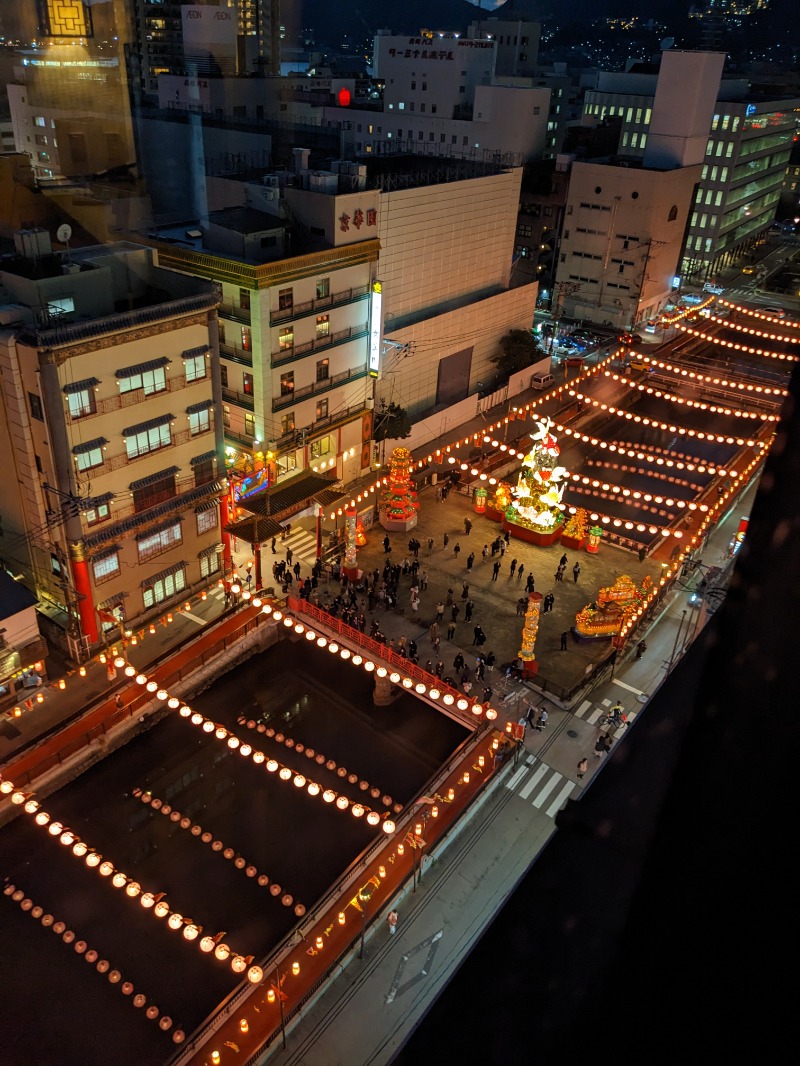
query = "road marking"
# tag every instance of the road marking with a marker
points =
(584, 707)
(517, 776)
(630, 688)
(194, 618)
(558, 802)
(594, 715)
(548, 788)
(432, 944)
(534, 781)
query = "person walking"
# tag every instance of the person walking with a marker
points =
(467, 527)
(470, 561)
(495, 570)
(529, 584)
(439, 611)
(576, 573)
(600, 746)
(454, 610)
(464, 590)
(520, 572)
(491, 659)
(439, 669)
(274, 549)
(583, 766)
(513, 567)
(289, 556)
(468, 609)
(423, 580)
(562, 562)
(451, 630)
(387, 545)
(430, 545)
(564, 637)
(118, 701)
(436, 643)
(541, 720)
(485, 552)
(458, 663)
(433, 631)
(445, 541)
(456, 550)
(392, 919)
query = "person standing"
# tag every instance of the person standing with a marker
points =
(564, 637)
(562, 562)
(464, 590)
(495, 570)
(470, 560)
(391, 919)
(456, 550)
(485, 552)
(513, 566)
(451, 630)
(433, 631)
(576, 573)
(274, 549)
(491, 659)
(430, 545)
(423, 580)
(387, 545)
(439, 611)
(529, 584)
(468, 609)
(454, 610)
(445, 541)
(583, 766)
(520, 572)
(467, 527)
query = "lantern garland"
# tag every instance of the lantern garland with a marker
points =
(727, 324)
(699, 404)
(217, 847)
(106, 869)
(91, 956)
(707, 379)
(320, 760)
(712, 339)
(786, 323)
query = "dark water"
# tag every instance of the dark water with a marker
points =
(57, 1009)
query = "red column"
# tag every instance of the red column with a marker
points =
(257, 559)
(83, 586)
(224, 521)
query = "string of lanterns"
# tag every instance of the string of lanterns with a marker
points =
(707, 379)
(749, 330)
(239, 863)
(92, 957)
(711, 339)
(153, 902)
(785, 322)
(680, 430)
(684, 312)
(320, 759)
(699, 404)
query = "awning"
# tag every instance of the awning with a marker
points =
(143, 427)
(212, 549)
(89, 446)
(112, 601)
(192, 353)
(164, 573)
(257, 529)
(207, 506)
(141, 368)
(194, 408)
(160, 528)
(81, 386)
(204, 458)
(91, 502)
(110, 549)
(153, 479)
(295, 493)
(184, 502)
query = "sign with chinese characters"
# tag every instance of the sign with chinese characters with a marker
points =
(376, 302)
(423, 48)
(358, 219)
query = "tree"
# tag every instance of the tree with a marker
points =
(392, 422)
(519, 348)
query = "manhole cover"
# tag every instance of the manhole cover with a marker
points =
(571, 733)
(643, 697)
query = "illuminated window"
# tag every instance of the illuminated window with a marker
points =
(286, 338)
(65, 18)
(323, 325)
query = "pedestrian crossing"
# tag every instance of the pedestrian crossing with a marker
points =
(590, 712)
(540, 785)
(301, 543)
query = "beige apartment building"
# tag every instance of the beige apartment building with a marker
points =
(114, 482)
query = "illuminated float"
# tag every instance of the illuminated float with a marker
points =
(603, 619)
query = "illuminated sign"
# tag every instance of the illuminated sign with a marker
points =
(676, 281)
(751, 109)
(344, 96)
(64, 18)
(376, 301)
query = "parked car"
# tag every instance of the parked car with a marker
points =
(749, 269)
(626, 338)
(778, 312)
(576, 359)
(713, 288)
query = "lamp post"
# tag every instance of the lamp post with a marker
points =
(364, 895)
(418, 845)
(279, 994)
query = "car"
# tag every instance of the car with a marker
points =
(626, 338)
(650, 327)
(713, 288)
(638, 364)
(777, 312)
(749, 269)
(575, 359)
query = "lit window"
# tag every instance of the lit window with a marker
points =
(323, 325)
(105, 566)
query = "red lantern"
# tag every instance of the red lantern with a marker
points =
(344, 97)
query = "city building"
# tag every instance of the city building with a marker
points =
(113, 478)
(296, 263)
(748, 142)
(625, 218)
(22, 649)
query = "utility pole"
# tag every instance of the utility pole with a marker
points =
(563, 290)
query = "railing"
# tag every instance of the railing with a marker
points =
(240, 314)
(318, 386)
(239, 355)
(286, 314)
(243, 399)
(134, 396)
(297, 351)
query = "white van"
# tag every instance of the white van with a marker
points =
(542, 381)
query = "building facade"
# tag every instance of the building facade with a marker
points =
(112, 495)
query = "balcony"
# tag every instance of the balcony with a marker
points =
(298, 351)
(241, 399)
(238, 314)
(128, 399)
(297, 395)
(236, 354)
(311, 306)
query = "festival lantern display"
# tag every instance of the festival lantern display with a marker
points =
(614, 606)
(350, 555)
(530, 628)
(398, 505)
(479, 500)
(537, 506)
(593, 543)
(576, 530)
(361, 534)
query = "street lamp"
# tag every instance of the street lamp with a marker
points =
(418, 845)
(364, 895)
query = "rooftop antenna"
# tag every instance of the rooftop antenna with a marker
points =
(63, 234)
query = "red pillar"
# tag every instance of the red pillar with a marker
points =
(83, 587)
(224, 521)
(257, 558)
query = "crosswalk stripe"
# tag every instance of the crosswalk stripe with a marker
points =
(584, 707)
(517, 776)
(595, 715)
(560, 799)
(548, 788)
(534, 781)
